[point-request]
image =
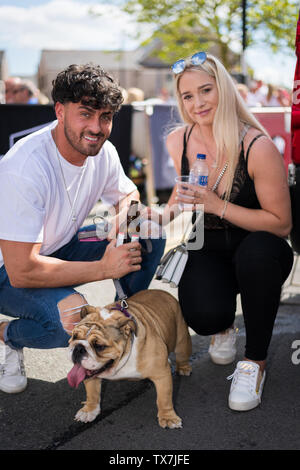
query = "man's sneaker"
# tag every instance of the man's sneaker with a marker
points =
(222, 349)
(12, 371)
(246, 387)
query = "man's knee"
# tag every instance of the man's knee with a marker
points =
(69, 311)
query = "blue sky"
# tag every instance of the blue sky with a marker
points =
(27, 27)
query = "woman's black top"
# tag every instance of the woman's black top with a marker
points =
(242, 192)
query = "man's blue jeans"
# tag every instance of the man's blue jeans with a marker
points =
(38, 323)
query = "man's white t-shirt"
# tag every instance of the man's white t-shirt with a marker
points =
(34, 206)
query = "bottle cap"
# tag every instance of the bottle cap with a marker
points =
(201, 156)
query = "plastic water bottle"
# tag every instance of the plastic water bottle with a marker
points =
(199, 171)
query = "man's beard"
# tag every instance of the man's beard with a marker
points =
(83, 146)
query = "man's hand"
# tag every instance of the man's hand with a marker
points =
(121, 260)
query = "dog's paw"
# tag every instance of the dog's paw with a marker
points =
(85, 415)
(185, 369)
(171, 422)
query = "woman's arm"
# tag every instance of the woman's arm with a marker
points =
(266, 168)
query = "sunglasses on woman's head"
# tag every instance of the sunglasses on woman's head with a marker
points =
(196, 59)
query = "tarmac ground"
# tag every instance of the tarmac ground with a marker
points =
(42, 417)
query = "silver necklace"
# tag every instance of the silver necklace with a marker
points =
(73, 215)
(220, 177)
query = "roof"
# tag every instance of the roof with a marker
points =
(112, 60)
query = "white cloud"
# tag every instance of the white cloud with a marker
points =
(64, 24)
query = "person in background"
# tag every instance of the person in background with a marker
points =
(25, 92)
(135, 94)
(246, 220)
(284, 97)
(257, 93)
(243, 91)
(165, 96)
(271, 98)
(20, 91)
(10, 84)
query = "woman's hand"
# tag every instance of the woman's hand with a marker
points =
(191, 196)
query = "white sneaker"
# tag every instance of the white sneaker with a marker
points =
(246, 387)
(222, 349)
(12, 371)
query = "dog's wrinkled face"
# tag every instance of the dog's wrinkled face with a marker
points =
(98, 343)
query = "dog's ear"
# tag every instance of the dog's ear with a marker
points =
(86, 310)
(127, 327)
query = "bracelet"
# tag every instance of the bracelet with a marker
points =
(224, 209)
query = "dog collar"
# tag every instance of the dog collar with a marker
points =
(124, 310)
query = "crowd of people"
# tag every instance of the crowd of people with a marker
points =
(255, 94)
(54, 177)
(258, 94)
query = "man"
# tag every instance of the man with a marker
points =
(10, 85)
(53, 178)
(25, 92)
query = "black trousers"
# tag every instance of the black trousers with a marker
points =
(232, 261)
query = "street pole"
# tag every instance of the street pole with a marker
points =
(244, 40)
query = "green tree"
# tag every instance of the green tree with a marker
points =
(191, 25)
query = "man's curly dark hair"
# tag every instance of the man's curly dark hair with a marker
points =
(89, 84)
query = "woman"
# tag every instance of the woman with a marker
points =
(271, 98)
(246, 220)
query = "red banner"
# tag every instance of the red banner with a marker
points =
(295, 123)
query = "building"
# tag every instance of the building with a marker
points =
(3, 66)
(3, 75)
(136, 68)
(140, 68)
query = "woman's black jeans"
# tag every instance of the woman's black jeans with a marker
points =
(232, 261)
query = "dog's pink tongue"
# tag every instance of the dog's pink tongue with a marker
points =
(76, 375)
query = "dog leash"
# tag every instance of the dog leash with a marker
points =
(121, 294)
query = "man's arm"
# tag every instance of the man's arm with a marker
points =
(26, 268)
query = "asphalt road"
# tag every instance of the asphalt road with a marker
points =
(42, 417)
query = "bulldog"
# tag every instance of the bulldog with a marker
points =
(133, 343)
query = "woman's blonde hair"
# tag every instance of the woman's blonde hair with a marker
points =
(231, 114)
